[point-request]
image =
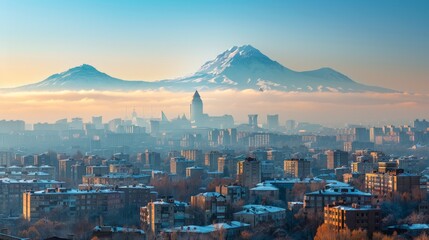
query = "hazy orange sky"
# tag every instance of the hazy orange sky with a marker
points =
(332, 109)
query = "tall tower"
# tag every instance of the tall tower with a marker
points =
(253, 120)
(196, 108)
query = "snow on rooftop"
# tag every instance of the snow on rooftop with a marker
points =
(264, 187)
(259, 209)
(209, 228)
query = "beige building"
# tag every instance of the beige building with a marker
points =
(178, 165)
(298, 168)
(194, 155)
(337, 158)
(249, 172)
(353, 217)
(164, 213)
(213, 204)
(384, 184)
(74, 202)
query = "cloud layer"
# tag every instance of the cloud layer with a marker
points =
(333, 109)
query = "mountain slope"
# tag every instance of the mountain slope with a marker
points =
(243, 67)
(84, 77)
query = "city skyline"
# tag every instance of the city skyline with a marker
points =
(214, 119)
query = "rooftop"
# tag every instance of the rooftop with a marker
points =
(264, 187)
(339, 190)
(209, 228)
(259, 209)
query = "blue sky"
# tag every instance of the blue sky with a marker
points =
(383, 43)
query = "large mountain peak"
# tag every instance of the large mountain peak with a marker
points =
(237, 56)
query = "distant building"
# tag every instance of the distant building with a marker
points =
(78, 170)
(151, 160)
(195, 173)
(65, 169)
(116, 179)
(164, 213)
(385, 184)
(73, 202)
(115, 232)
(337, 158)
(253, 120)
(256, 214)
(298, 168)
(196, 108)
(273, 122)
(213, 204)
(221, 231)
(194, 155)
(135, 196)
(178, 165)
(97, 170)
(249, 172)
(363, 167)
(353, 217)
(211, 160)
(227, 165)
(11, 193)
(317, 200)
(264, 192)
(233, 193)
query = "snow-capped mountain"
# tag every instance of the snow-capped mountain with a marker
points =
(83, 77)
(239, 68)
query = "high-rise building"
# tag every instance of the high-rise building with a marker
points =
(290, 125)
(232, 135)
(178, 165)
(337, 158)
(273, 122)
(253, 120)
(421, 125)
(249, 172)
(78, 170)
(152, 160)
(298, 168)
(5, 158)
(194, 155)
(361, 134)
(197, 108)
(98, 122)
(211, 160)
(64, 169)
(228, 165)
(374, 132)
